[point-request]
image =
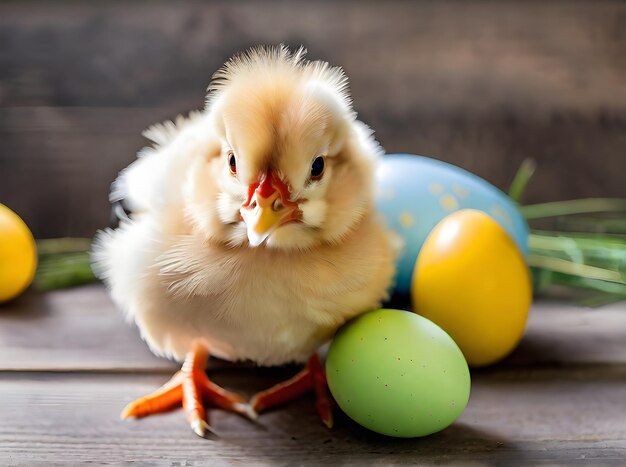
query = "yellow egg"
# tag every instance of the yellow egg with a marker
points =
(18, 255)
(471, 280)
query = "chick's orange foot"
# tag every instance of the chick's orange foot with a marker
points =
(192, 388)
(311, 379)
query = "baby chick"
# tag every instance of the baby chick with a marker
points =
(252, 233)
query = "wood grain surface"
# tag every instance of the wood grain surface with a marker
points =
(80, 330)
(72, 330)
(525, 417)
(68, 364)
(481, 84)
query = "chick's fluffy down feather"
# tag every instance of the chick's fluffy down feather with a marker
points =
(182, 267)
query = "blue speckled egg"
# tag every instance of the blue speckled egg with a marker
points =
(414, 193)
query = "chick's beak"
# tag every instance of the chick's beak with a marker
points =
(267, 208)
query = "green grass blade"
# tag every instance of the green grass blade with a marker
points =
(521, 179)
(574, 268)
(575, 206)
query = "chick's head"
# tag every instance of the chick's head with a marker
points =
(294, 167)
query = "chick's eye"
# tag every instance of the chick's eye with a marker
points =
(232, 163)
(317, 168)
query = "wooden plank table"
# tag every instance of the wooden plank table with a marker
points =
(68, 364)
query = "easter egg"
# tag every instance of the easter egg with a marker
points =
(18, 255)
(397, 373)
(414, 193)
(471, 279)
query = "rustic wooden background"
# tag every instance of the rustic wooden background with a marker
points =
(482, 85)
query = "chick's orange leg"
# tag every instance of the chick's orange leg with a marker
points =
(192, 388)
(311, 379)
(324, 401)
(194, 364)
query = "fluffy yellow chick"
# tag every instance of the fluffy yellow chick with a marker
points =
(253, 234)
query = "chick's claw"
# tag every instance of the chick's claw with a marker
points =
(167, 397)
(311, 379)
(191, 388)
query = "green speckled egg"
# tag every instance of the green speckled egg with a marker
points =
(398, 374)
